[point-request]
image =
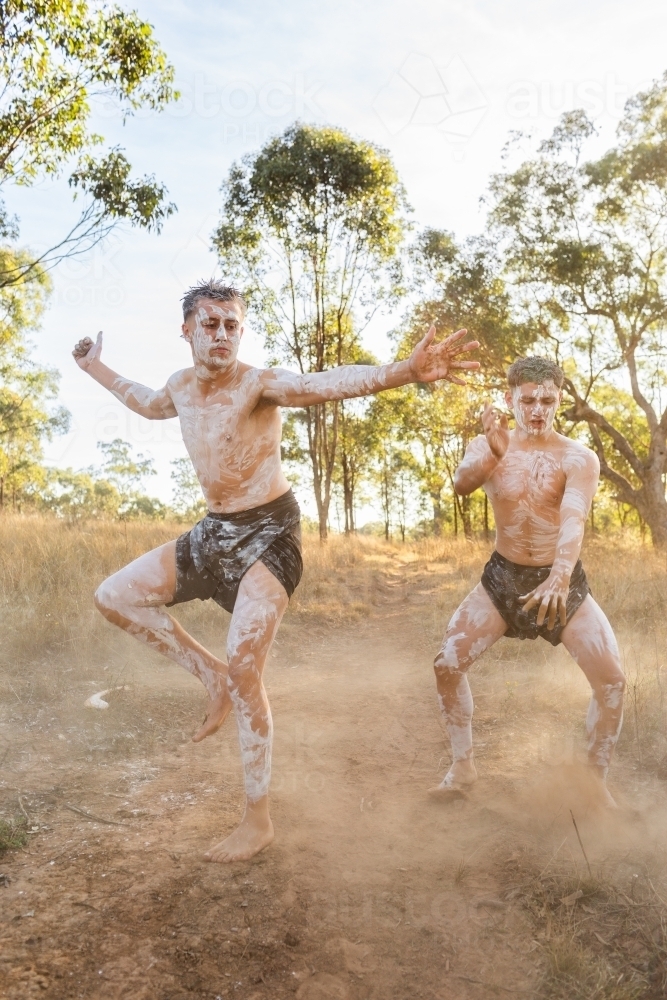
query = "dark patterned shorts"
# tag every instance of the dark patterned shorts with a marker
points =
(214, 556)
(506, 583)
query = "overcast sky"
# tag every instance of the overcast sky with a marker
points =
(439, 84)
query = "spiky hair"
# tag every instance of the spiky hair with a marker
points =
(211, 290)
(534, 369)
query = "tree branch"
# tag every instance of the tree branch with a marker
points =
(626, 491)
(583, 411)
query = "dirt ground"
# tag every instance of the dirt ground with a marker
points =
(371, 889)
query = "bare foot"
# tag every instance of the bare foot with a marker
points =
(606, 799)
(252, 835)
(461, 775)
(217, 711)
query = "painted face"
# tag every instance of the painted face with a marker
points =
(534, 406)
(214, 333)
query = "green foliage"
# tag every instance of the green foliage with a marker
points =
(55, 57)
(461, 286)
(311, 229)
(188, 501)
(13, 834)
(126, 475)
(78, 495)
(108, 182)
(585, 244)
(26, 420)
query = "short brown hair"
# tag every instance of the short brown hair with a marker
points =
(534, 369)
(211, 290)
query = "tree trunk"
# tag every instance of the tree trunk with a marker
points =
(653, 510)
(348, 492)
(649, 498)
(465, 517)
(322, 426)
(386, 503)
(437, 514)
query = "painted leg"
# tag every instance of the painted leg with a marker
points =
(259, 607)
(134, 599)
(589, 639)
(475, 626)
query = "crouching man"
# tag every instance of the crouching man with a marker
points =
(246, 553)
(540, 485)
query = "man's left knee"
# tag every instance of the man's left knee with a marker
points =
(613, 691)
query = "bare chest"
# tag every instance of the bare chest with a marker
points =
(228, 428)
(218, 422)
(533, 478)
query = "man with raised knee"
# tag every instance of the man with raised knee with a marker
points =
(246, 553)
(541, 485)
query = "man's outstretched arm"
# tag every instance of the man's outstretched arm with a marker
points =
(155, 404)
(427, 363)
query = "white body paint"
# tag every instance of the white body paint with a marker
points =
(230, 420)
(97, 700)
(540, 485)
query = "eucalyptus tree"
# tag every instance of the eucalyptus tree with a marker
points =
(56, 57)
(457, 285)
(311, 229)
(355, 454)
(461, 285)
(27, 388)
(585, 243)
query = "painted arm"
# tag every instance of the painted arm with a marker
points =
(155, 404)
(483, 454)
(582, 471)
(427, 363)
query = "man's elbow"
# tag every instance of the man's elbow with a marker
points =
(461, 487)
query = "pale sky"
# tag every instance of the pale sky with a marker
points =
(440, 85)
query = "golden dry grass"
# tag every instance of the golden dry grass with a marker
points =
(49, 570)
(612, 944)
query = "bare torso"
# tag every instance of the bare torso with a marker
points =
(233, 437)
(526, 491)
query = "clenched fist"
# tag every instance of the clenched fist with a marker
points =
(86, 351)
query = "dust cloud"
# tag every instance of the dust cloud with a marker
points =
(371, 889)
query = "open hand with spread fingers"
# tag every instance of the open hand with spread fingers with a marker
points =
(551, 596)
(430, 362)
(496, 429)
(87, 351)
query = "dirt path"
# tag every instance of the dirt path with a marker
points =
(370, 890)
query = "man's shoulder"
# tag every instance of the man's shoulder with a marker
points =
(180, 378)
(478, 443)
(577, 455)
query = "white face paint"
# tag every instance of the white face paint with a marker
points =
(534, 406)
(214, 331)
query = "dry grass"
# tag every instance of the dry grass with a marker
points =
(600, 934)
(13, 834)
(603, 935)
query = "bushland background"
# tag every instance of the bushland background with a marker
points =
(370, 889)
